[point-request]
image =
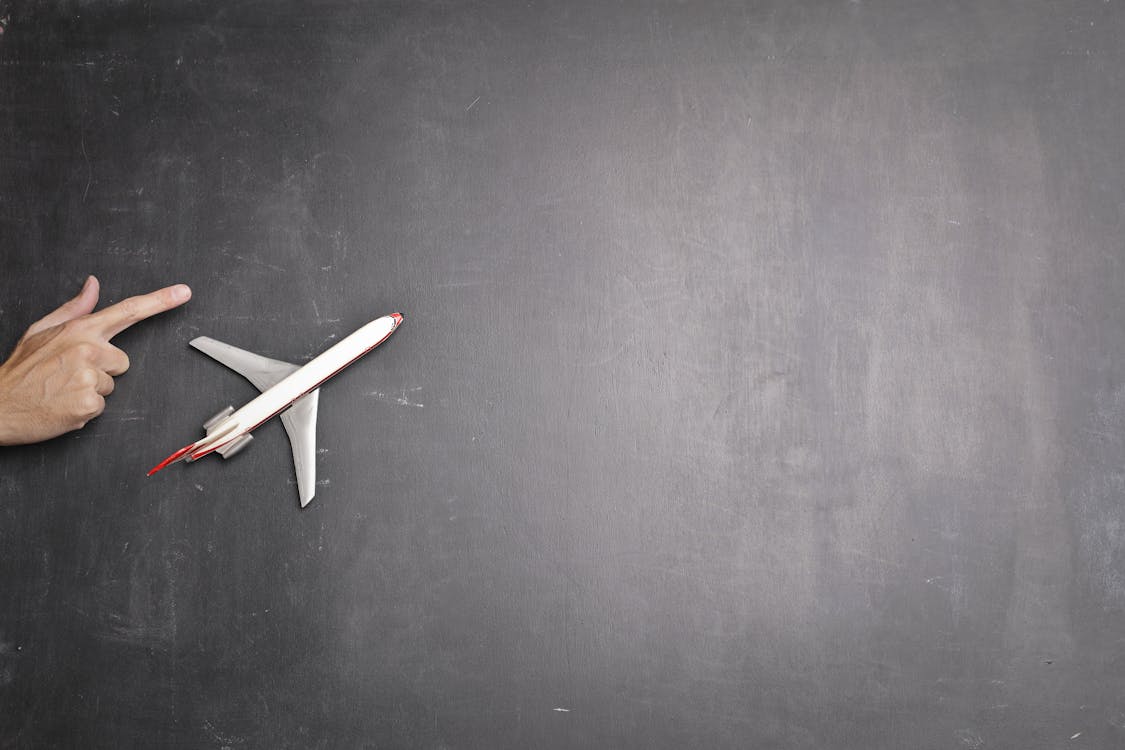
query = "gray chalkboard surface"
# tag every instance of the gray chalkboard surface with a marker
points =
(762, 383)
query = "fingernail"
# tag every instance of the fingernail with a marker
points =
(181, 293)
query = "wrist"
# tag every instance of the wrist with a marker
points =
(11, 431)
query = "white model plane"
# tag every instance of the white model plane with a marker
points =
(284, 387)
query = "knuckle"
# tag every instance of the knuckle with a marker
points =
(87, 378)
(130, 309)
(90, 406)
(85, 351)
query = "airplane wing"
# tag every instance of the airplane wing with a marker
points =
(299, 420)
(263, 372)
(300, 424)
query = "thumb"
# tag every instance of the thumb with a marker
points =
(81, 305)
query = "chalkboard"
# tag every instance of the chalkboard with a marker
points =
(762, 383)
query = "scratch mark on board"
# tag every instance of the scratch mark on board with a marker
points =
(89, 169)
(460, 284)
(256, 262)
(969, 738)
(226, 739)
(402, 399)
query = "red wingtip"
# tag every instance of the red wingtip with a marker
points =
(177, 456)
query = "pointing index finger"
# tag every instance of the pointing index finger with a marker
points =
(116, 318)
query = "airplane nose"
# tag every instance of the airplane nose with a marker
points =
(398, 319)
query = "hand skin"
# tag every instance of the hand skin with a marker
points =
(63, 368)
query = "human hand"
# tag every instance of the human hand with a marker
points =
(63, 368)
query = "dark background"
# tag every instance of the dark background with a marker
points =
(762, 383)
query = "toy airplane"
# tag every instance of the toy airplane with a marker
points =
(283, 386)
